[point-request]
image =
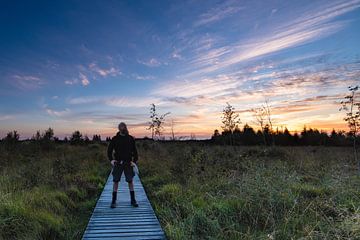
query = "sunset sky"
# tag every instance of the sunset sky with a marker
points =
(87, 65)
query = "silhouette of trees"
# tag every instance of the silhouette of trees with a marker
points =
(260, 118)
(96, 138)
(172, 131)
(307, 137)
(44, 140)
(263, 119)
(156, 122)
(76, 138)
(352, 107)
(230, 120)
(11, 139)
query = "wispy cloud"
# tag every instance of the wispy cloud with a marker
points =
(112, 71)
(312, 26)
(55, 113)
(115, 101)
(218, 13)
(71, 82)
(142, 77)
(84, 79)
(207, 86)
(6, 117)
(152, 62)
(27, 82)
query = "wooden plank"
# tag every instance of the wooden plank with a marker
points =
(124, 221)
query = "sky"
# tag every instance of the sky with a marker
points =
(87, 65)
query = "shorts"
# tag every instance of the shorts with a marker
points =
(118, 169)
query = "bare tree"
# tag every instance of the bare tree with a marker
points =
(230, 120)
(172, 130)
(267, 110)
(263, 118)
(260, 119)
(156, 122)
(351, 104)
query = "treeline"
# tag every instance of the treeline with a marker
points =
(46, 139)
(307, 137)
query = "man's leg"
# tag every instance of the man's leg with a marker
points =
(129, 175)
(115, 186)
(132, 194)
(116, 172)
(114, 194)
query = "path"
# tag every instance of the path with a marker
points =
(124, 221)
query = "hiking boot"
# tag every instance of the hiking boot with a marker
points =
(134, 204)
(113, 201)
(133, 201)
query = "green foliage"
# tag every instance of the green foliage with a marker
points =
(224, 192)
(49, 194)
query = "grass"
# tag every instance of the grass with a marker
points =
(198, 191)
(49, 194)
(223, 192)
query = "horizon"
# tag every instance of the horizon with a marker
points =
(75, 66)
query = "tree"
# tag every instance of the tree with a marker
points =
(351, 104)
(172, 130)
(264, 119)
(11, 137)
(230, 120)
(76, 137)
(96, 138)
(267, 111)
(86, 139)
(48, 135)
(260, 119)
(156, 122)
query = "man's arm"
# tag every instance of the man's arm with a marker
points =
(134, 150)
(110, 150)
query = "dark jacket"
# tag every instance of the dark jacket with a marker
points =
(125, 148)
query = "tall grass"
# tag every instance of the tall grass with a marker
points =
(198, 191)
(49, 193)
(219, 192)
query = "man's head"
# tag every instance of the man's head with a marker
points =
(123, 128)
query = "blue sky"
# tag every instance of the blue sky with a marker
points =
(88, 65)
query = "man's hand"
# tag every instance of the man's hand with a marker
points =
(132, 163)
(113, 162)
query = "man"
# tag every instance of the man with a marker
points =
(122, 161)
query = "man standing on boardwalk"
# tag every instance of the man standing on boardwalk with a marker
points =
(123, 160)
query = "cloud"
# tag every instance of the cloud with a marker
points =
(6, 117)
(83, 79)
(55, 113)
(71, 82)
(311, 26)
(27, 82)
(152, 62)
(207, 86)
(103, 71)
(116, 101)
(216, 14)
(142, 77)
(176, 54)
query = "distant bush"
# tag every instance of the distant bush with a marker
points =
(76, 138)
(11, 139)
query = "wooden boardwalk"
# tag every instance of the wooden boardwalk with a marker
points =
(124, 221)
